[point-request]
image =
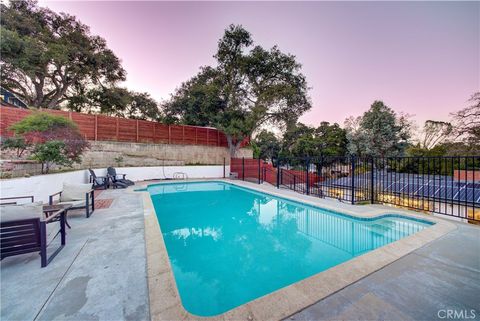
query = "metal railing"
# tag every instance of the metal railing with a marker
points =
(443, 185)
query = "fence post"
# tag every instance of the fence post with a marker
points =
(154, 132)
(224, 167)
(116, 128)
(96, 126)
(372, 184)
(307, 169)
(353, 178)
(137, 130)
(169, 134)
(259, 182)
(278, 173)
(243, 167)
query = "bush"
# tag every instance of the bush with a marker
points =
(18, 144)
(51, 152)
(41, 122)
(55, 139)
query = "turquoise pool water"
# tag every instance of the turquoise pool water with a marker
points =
(229, 245)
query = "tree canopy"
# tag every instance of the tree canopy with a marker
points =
(467, 121)
(47, 58)
(302, 140)
(265, 145)
(434, 133)
(249, 87)
(117, 101)
(379, 132)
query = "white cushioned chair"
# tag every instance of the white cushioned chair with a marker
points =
(79, 195)
(14, 212)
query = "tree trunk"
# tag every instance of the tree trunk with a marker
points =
(52, 104)
(233, 145)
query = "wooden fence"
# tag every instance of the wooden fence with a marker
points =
(106, 128)
(257, 170)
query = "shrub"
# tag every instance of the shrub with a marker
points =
(41, 122)
(17, 143)
(55, 139)
(119, 160)
(51, 152)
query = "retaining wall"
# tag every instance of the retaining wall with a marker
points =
(41, 186)
(104, 154)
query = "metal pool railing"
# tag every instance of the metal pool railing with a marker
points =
(443, 185)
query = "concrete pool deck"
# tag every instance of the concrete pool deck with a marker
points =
(102, 272)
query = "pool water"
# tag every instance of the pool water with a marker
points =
(229, 245)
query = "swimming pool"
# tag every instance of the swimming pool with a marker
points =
(229, 245)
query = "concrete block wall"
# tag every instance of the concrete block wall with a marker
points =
(105, 153)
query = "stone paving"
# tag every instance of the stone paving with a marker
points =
(423, 285)
(99, 275)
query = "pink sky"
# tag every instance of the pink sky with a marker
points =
(421, 58)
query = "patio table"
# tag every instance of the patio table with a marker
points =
(54, 213)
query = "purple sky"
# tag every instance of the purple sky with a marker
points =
(418, 57)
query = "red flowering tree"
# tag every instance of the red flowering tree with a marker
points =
(50, 139)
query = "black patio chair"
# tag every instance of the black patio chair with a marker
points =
(99, 182)
(23, 229)
(112, 173)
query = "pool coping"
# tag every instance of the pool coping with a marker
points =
(165, 302)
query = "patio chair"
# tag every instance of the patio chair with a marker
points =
(114, 177)
(23, 229)
(14, 200)
(104, 181)
(78, 195)
(99, 182)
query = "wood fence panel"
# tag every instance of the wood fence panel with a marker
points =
(56, 112)
(202, 136)
(106, 129)
(223, 140)
(212, 137)
(101, 127)
(145, 131)
(86, 124)
(161, 133)
(189, 135)
(8, 117)
(127, 130)
(176, 133)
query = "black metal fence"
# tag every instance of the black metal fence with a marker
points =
(443, 185)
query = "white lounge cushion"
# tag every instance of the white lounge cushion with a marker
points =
(74, 192)
(15, 212)
(74, 203)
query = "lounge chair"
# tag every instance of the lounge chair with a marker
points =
(114, 177)
(99, 182)
(23, 229)
(104, 181)
(79, 195)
